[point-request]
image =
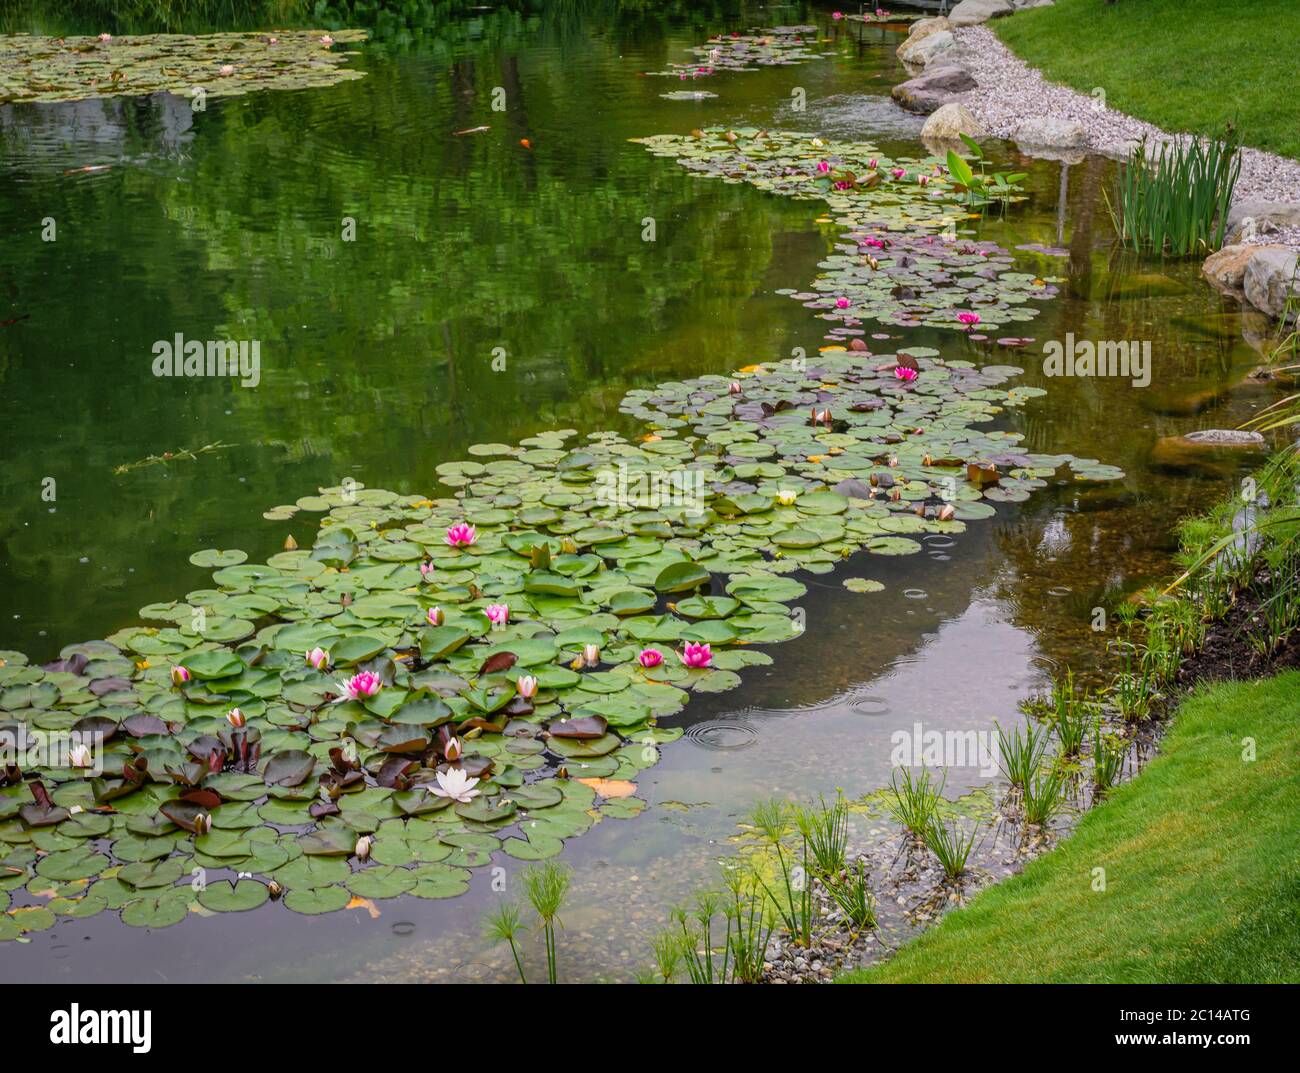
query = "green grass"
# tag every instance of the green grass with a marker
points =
(1202, 863)
(1181, 64)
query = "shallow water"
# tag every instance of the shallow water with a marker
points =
(377, 364)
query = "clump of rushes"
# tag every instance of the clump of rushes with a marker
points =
(916, 800)
(547, 885)
(503, 925)
(668, 955)
(1108, 752)
(747, 932)
(772, 819)
(850, 892)
(1068, 709)
(1044, 796)
(827, 832)
(1133, 688)
(1020, 756)
(695, 941)
(951, 843)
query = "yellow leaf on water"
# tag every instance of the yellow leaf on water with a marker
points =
(366, 904)
(610, 787)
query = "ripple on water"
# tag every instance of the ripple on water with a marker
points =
(722, 734)
(870, 705)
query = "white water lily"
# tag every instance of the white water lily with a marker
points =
(787, 496)
(454, 783)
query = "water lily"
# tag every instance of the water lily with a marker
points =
(106, 38)
(497, 614)
(461, 535)
(318, 658)
(923, 179)
(79, 756)
(456, 784)
(898, 173)
(837, 14)
(787, 496)
(360, 686)
(227, 69)
(236, 718)
(841, 303)
(734, 387)
(696, 655)
(823, 167)
(591, 655)
(650, 657)
(873, 164)
(526, 686)
(903, 373)
(968, 319)
(180, 675)
(435, 616)
(426, 569)
(327, 40)
(363, 846)
(947, 512)
(821, 416)
(452, 749)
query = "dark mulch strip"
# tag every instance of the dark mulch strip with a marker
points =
(1228, 653)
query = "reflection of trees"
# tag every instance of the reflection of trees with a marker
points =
(376, 353)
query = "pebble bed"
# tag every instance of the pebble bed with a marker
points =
(1010, 91)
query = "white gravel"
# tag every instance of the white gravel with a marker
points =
(1010, 91)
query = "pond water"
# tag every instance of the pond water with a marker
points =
(377, 363)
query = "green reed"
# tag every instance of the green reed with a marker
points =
(547, 885)
(1175, 201)
(951, 843)
(1044, 796)
(916, 801)
(1020, 755)
(849, 890)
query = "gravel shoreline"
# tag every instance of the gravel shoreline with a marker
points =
(1010, 91)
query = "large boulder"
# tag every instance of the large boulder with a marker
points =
(1049, 132)
(1247, 218)
(1225, 269)
(973, 12)
(930, 91)
(931, 48)
(924, 27)
(1270, 277)
(949, 122)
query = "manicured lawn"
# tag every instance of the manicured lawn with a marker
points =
(1202, 864)
(1181, 64)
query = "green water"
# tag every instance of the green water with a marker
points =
(377, 363)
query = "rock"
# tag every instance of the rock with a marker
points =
(930, 49)
(923, 27)
(1247, 218)
(1224, 437)
(1048, 132)
(1226, 268)
(930, 91)
(1270, 277)
(973, 12)
(1211, 452)
(949, 122)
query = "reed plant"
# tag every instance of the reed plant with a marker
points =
(826, 829)
(503, 925)
(1044, 796)
(1108, 752)
(1021, 752)
(916, 800)
(772, 819)
(1175, 201)
(849, 890)
(951, 843)
(547, 885)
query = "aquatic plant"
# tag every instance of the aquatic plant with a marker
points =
(895, 263)
(547, 885)
(1108, 753)
(849, 890)
(503, 924)
(826, 830)
(1044, 796)
(1175, 201)
(668, 955)
(585, 565)
(782, 46)
(980, 189)
(772, 819)
(1021, 752)
(916, 800)
(951, 843)
(1068, 709)
(43, 69)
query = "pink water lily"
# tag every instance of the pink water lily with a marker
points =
(968, 319)
(360, 686)
(823, 167)
(526, 686)
(236, 718)
(435, 616)
(497, 614)
(873, 164)
(327, 40)
(452, 749)
(180, 675)
(923, 179)
(317, 658)
(898, 173)
(841, 303)
(426, 569)
(227, 69)
(650, 657)
(903, 373)
(696, 655)
(106, 38)
(461, 535)
(734, 387)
